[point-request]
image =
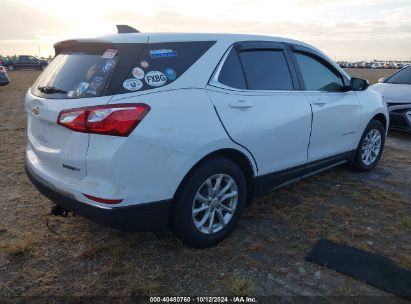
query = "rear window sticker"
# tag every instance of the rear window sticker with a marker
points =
(109, 54)
(171, 74)
(82, 87)
(162, 53)
(138, 73)
(155, 78)
(132, 84)
(95, 84)
(144, 64)
(108, 66)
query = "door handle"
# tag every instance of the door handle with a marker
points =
(319, 102)
(241, 104)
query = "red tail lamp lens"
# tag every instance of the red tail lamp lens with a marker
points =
(116, 120)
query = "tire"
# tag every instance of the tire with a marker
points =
(186, 225)
(11, 67)
(42, 67)
(361, 163)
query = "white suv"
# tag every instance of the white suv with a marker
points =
(145, 131)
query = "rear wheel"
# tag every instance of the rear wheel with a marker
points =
(209, 203)
(370, 148)
(11, 67)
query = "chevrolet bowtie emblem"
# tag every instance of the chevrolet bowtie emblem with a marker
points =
(35, 110)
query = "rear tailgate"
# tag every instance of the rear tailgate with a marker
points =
(52, 146)
(82, 74)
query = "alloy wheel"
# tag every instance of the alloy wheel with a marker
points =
(371, 147)
(215, 203)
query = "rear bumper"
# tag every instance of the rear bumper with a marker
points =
(142, 217)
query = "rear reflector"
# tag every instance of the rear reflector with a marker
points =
(116, 120)
(103, 200)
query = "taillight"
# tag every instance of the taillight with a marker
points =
(116, 120)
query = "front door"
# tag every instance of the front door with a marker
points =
(336, 110)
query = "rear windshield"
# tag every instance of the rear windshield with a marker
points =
(93, 69)
(402, 77)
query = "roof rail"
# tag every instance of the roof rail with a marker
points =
(125, 29)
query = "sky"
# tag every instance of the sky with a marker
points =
(344, 29)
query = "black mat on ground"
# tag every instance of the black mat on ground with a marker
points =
(376, 270)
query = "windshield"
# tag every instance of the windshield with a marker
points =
(402, 77)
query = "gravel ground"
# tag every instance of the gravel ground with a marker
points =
(264, 256)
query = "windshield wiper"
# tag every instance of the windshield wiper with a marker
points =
(50, 90)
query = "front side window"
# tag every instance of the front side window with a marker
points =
(402, 77)
(266, 70)
(317, 76)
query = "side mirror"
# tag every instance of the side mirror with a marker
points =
(382, 79)
(358, 84)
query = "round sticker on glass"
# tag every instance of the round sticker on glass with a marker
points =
(155, 78)
(138, 73)
(171, 74)
(132, 84)
(144, 64)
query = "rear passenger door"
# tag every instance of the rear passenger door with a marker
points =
(255, 92)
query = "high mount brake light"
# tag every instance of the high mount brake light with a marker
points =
(116, 120)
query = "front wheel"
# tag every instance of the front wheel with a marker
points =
(209, 203)
(11, 67)
(370, 148)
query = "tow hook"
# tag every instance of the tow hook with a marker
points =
(57, 210)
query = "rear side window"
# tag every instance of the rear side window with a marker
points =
(317, 76)
(402, 77)
(231, 73)
(266, 70)
(162, 63)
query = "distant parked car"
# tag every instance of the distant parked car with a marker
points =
(25, 62)
(396, 90)
(4, 79)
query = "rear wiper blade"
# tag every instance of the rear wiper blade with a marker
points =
(50, 90)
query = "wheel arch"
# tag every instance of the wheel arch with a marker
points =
(381, 118)
(237, 157)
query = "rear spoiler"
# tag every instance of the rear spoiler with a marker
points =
(72, 44)
(67, 44)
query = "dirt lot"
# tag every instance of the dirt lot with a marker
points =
(264, 256)
(371, 75)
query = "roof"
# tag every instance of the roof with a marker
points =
(198, 75)
(221, 38)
